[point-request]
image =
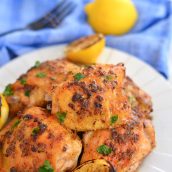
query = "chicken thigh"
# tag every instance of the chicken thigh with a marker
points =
(124, 147)
(140, 101)
(35, 138)
(36, 86)
(92, 99)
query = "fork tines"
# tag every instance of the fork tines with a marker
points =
(55, 16)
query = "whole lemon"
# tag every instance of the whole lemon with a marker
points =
(111, 16)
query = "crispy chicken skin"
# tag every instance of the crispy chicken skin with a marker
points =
(98, 100)
(129, 143)
(36, 86)
(140, 101)
(91, 101)
(35, 136)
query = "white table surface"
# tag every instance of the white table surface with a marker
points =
(170, 66)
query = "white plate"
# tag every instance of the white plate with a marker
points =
(160, 160)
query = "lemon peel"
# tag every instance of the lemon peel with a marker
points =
(114, 17)
(86, 50)
(4, 111)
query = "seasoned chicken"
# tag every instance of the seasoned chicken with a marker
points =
(92, 99)
(128, 144)
(96, 99)
(36, 86)
(124, 147)
(140, 101)
(34, 138)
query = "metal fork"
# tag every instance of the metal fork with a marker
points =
(51, 19)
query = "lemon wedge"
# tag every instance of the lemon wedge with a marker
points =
(86, 50)
(4, 111)
(114, 17)
(100, 165)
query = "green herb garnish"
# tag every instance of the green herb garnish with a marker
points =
(37, 63)
(109, 77)
(27, 93)
(104, 150)
(8, 91)
(113, 119)
(35, 131)
(85, 65)
(132, 99)
(46, 167)
(23, 81)
(79, 76)
(52, 78)
(61, 116)
(16, 123)
(41, 75)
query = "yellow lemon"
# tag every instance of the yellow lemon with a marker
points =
(86, 50)
(100, 165)
(111, 16)
(4, 111)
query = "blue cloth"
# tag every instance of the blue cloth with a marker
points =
(149, 40)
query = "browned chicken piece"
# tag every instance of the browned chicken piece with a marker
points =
(140, 101)
(35, 87)
(124, 147)
(34, 138)
(93, 99)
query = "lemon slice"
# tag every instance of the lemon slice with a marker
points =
(100, 165)
(86, 50)
(4, 111)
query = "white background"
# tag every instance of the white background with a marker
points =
(170, 66)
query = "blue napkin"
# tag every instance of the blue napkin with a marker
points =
(149, 40)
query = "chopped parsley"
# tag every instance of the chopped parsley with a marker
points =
(37, 63)
(85, 65)
(79, 76)
(52, 78)
(41, 75)
(35, 131)
(132, 99)
(27, 93)
(8, 91)
(108, 78)
(113, 119)
(46, 167)
(104, 150)
(16, 123)
(61, 116)
(23, 81)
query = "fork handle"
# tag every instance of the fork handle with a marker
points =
(12, 31)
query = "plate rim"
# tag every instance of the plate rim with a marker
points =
(63, 46)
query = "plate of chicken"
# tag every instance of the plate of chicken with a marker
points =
(112, 116)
